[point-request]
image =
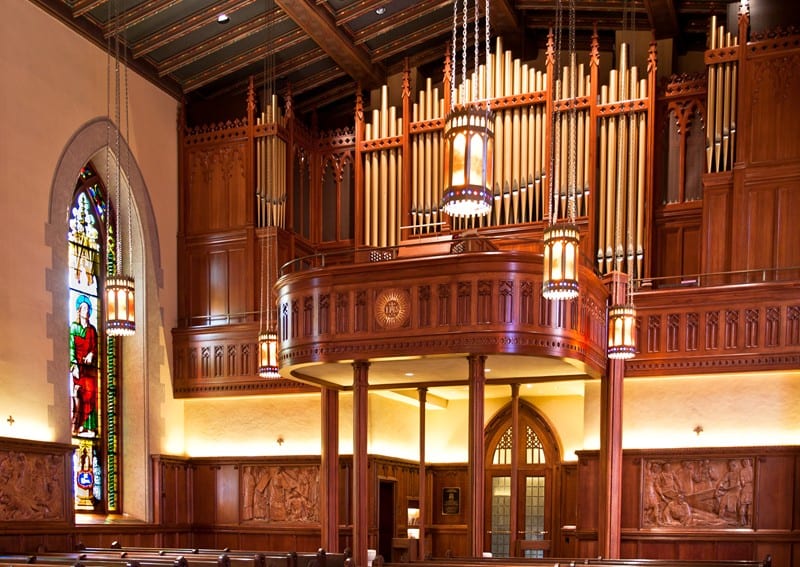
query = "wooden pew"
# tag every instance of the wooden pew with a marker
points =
(193, 557)
(575, 562)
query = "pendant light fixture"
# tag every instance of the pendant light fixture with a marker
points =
(120, 288)
(468, 129)
(621, 318)
(561, 238)
(621, 331)
(622, 312)
(267, 335)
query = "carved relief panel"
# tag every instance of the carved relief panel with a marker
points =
(702, 493)
(280, 494)
(34, 482)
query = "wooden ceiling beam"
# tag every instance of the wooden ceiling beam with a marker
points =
(663, 18)
(81, 7)
(503, 19)
(322, 29)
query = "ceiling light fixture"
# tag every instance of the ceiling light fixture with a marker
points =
(468, 130)
(223, 19)
(561, 238)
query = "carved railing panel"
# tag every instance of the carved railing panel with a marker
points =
(717, 329)
(468, 302)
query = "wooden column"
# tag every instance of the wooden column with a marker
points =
(477, 386)
(360, 480)
(329, 477)
(610, 484)
(423, 489)
(516, 437)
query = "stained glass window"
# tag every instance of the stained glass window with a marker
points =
(92, 355)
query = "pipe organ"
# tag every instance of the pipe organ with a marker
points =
(622, 177)
(531, 109)
(393, 196)
(722, 66)
(399, 184)
(270, 166)
(426, 161)
(383, 166)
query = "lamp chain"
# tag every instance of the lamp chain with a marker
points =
(476, 42)
(127, 168)
(453, 57)
(619, 252)
(572, 163)
(117, 120)
(465, 18)
(261, 295)
(554, 122)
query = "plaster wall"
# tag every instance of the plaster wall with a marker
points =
(53, 110)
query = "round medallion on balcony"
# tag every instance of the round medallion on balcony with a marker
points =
(391, 308)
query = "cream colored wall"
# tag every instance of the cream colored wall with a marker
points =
(732, 409)
(52, 100)
(251, 426)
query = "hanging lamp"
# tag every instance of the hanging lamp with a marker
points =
(120, 288)
(622, 312)
(468, 131)
(267, 335)
(561, 238)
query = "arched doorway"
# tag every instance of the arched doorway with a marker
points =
(519, 477)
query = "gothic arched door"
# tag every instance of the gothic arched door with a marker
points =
(519, 484)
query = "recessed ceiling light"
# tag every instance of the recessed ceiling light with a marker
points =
(409, 374)
(380, 11)
(223, 19)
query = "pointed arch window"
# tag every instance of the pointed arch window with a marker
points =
(93, 371)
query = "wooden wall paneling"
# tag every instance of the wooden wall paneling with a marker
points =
(171, 491)
(220, 279)
(588, 494)
(788, 246)
(759, 233)
(774, 509)
(677, 242)
(567, 500)
(765, 203)
(697, 550)
(717, 224)
(227, 494)
(771, 75)
(217, 187)
(204, 484)
(631, 505)
(732, 549)
(448, 532)
(773, 530)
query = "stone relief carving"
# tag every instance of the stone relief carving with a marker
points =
(280, 494)
(716, 493)
(31, 487)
